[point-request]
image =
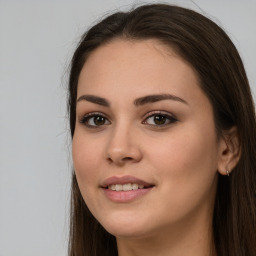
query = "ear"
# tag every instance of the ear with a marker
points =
(229, 151)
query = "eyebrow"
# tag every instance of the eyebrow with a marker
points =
(138, 102)
(157, 97)
(94, 99)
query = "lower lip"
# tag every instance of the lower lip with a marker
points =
(125, 196)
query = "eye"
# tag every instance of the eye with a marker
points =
(159, 119)
(94, 120)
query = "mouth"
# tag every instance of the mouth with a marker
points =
(125, 183)
(125, 189)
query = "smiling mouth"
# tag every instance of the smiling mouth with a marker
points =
(126, 193)
(126, 187)
(125, 183)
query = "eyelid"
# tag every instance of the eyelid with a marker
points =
(92, 114)
(159, 112)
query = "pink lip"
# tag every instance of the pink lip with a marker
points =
(125, 196)
(124, 180)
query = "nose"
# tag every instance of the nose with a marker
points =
(123, 146)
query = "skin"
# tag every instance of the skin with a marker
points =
(181, 158)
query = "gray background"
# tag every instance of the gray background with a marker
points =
(36, 42)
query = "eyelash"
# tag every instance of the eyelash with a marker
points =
(169, 118)
(85, 119)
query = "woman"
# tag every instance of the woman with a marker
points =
(163, 129)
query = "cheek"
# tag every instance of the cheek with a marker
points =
(85, 159)
(187, 151)
(186, 163)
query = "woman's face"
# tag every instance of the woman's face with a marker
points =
(142, 120)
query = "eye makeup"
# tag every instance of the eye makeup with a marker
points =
(155, 119)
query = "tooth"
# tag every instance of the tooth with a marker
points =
(113, 187)
(135, 186)
(119, 187)
(127, 187)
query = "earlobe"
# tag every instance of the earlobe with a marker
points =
(229, 151)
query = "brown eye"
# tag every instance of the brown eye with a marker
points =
(94, 120)
(99, 120)
(159, 120)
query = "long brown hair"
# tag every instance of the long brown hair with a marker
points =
(222, 77)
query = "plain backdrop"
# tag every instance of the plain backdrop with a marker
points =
(37, 39)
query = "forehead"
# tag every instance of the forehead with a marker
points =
(145, 54)
(133, 67)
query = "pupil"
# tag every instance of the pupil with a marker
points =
(99, 120)
(159, 120)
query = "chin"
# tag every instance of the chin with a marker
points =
(125, 225)
(129, 232)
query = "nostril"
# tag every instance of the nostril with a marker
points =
(127, 158)
(120, 161)
(109, 160)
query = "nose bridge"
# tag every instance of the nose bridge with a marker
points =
(122, 145)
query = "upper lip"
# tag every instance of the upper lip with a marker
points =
(124, 180)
